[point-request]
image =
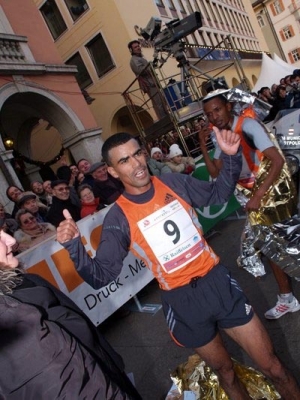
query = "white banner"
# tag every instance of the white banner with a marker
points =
(51, 261)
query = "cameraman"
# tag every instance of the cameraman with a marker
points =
(146, 80)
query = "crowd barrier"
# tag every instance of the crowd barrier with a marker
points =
(51, 261)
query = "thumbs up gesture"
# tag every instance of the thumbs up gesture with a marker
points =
(228, 141)
(67, 229)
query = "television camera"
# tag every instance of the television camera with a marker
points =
(173, 33)
(169, 40)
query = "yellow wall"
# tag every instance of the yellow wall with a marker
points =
(115, 20)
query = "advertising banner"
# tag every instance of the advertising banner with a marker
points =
(51, 261)
(210, 216)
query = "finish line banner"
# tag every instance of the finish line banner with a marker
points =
(210, 216)
(51, 261)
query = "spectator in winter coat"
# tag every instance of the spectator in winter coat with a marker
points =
(49, 349)
(89, 203)
(178, 163)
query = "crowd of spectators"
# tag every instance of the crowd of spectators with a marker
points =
(83, 189)
(282, 96)
(36, 213)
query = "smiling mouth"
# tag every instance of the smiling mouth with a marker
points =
(140, 173)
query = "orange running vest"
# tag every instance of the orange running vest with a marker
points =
(139, 246)
(248, 153)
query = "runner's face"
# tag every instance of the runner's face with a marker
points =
(218, 113)
(128, 163)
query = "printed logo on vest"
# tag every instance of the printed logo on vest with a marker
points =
(248, 308)
(169, 197)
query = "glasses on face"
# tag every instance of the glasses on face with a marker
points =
(28, 220)
(63, 189)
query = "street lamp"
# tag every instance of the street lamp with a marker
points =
(8, 142)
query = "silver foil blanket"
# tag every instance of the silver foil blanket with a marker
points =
(279, 242)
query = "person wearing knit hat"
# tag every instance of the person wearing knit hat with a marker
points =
(156, 154)
(177, 162)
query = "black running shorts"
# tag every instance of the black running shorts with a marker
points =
(195, 312)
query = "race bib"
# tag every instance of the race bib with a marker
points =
(172, 236)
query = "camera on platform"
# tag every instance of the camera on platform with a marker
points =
(175, 30)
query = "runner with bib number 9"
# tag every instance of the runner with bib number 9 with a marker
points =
(154, 218)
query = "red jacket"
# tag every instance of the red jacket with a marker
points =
(90, 208)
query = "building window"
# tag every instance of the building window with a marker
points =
(82, 76)
(180, 7)
(277, 7)
(159, 3)
(53, 18)
(294, 55)
(170, 4)
(261, 21)
(100, 55)
(287, 32)
(76, 7)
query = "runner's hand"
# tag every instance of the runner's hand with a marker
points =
(67, 229)
(228, 141)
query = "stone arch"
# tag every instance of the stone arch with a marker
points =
(23, 105)
(123, 121)
(19, 106)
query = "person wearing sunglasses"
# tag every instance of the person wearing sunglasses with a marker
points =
(61, 200)
(31, 232)
(49, 349)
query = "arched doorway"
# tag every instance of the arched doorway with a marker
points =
(38, 122)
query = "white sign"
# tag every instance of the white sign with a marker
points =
(51, 261)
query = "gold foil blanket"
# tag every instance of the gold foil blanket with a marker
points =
(197, 377)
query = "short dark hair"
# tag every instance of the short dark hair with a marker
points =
(64, 172)
(132, 42)
(262, 89)
(9, 187)
(114, 141)
(279, 87)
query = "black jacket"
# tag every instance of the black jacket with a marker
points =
(55, 213)
(50, 350)
(108, 191)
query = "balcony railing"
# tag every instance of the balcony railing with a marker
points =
(10, 48)
(16, 58)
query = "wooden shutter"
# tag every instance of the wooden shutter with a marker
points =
(283, 38)
(291, 57)
(281, 5)
(273, 9)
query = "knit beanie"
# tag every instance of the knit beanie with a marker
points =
(155, 150)
(174, 151)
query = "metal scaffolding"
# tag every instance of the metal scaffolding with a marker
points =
(180, 94)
